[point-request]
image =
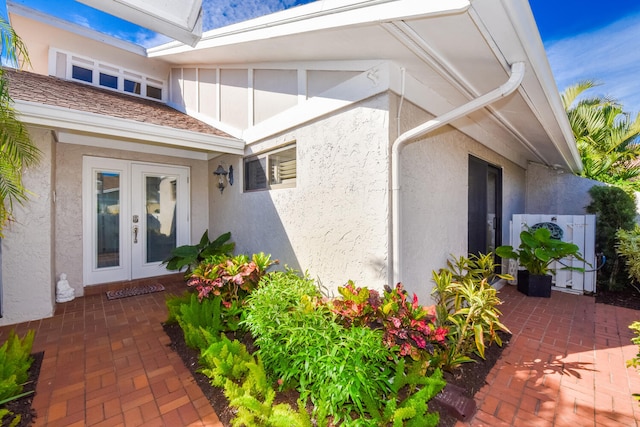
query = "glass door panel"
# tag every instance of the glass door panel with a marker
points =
(108, 219)
(105, 197)
(161, 217)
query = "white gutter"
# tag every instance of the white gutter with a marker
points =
(517, 74)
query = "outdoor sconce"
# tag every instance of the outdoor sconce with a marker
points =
(221, 173)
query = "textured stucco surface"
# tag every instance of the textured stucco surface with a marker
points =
(68, 254)
(27, 249)
(555, 191)
(334, 223)
(434, 198)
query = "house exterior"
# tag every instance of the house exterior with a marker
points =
(368, 140)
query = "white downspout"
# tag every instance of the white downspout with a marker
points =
(517, 74)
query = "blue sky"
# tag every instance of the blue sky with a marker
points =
(588, 39)
(584, 39)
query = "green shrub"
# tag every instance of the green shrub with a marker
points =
(628, 247)
(467, 307)
(232, 279)
(340, 369)
(199, 317)
(174, 303)
(614, 210)
(225, 360)
(635, 362)
(408, 327)
(15, 362)
(191, 255)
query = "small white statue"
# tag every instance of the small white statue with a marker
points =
(64, 292)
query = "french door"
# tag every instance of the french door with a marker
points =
(134, 214)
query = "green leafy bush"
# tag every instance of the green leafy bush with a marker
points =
(174, 303)
(408, 327)
(635, 362)
(15, 362)
(191, 255)
(614, 210)
(342, 370)
(225, 359)
(230, 278)
(628, 246)
(467, 307)
(199, 319)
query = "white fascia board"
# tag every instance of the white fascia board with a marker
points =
(365, 85)
(180, 20)
(529, 48)
(88, 33)
(524, 23)
(80, 121)
(317, 16)
(118, 144)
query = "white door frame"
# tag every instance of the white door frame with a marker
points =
(127, 270)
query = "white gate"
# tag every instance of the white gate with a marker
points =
(577, 229)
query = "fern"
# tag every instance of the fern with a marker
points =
(174, 303)
(225, 359)
(7, 413)
(15, 361)
(200, 320)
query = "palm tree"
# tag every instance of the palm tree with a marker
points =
(16, 148)
(606, 137)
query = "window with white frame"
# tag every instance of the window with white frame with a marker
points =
(90, 71)
(271, 170)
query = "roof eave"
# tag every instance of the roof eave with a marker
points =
(97, 124)
(315, 16)
(528, 37)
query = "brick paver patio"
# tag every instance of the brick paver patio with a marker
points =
(565, 365)
(107, 363)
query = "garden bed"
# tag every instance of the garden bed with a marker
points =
(470, 376)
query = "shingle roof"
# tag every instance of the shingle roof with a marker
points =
(27, 86)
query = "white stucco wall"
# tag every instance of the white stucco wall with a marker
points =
(28, 289)
(434, 199)
(334, 223)
(68, 254)
(556, 191)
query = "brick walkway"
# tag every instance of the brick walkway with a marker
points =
(107, 364)
(565, 365)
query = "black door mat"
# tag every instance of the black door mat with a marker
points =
(136, 290)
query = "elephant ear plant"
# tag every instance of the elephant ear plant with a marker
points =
(538, 250)
(191, 255)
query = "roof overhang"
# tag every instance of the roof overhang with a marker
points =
(448, 53)
(131, 131)
(180, 20)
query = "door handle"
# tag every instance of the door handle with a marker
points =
(135, 234)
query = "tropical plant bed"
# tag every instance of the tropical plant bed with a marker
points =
(22, 406)
(469, 376)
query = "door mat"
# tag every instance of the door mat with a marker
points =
(136, 290)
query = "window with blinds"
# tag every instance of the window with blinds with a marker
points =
(271, 170)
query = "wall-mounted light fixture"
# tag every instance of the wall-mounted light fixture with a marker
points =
(221, 173)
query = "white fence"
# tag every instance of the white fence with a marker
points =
(577, 229)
